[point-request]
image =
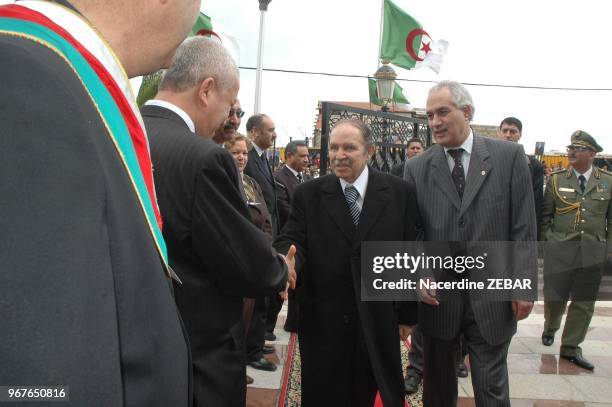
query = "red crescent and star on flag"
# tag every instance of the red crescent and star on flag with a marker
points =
(425, 46)
(208, 33)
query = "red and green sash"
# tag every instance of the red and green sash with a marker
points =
(123, 126)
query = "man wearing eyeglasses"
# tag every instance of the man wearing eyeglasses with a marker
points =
(576, 223)
(230, 126)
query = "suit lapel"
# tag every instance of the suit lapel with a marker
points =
(260, 165)
(591, 183)
(442, 176)
(335, 203)
(376, 199)
(478, 171)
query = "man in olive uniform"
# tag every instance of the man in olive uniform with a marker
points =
(576, 223)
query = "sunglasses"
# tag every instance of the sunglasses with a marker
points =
(239, 113)
(578, 149)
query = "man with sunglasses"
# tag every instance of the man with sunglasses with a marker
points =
(230, 126)
(576, 223)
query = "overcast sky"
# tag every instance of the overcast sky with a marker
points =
(562, 43)
(546, 43)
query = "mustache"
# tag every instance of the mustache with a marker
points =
(345, 161)
(230, 127)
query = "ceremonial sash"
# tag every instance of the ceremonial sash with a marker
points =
(121, 123)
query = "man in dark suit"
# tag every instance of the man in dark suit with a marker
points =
(349, 348)
(85, 295)
(415, 147)
(213, 246)
(262, 131)
(469, 188)
(511, 129)
(287, 178)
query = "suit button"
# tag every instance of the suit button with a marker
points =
(346, 319)
(461, 222)
(583, 198)
(582, 232)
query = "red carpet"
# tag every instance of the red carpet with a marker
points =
(291, 386)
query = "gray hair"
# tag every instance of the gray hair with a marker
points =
(196, 59)
(363, 128)
(460, 94)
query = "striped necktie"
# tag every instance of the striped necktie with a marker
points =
(351, 194)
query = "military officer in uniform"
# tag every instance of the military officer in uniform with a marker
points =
(577, 226)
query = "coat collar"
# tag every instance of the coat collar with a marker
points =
(374, 202)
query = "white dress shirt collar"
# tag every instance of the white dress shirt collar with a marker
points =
(171, 106)
(587, 174)
(360, 184)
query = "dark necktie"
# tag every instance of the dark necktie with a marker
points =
(351, 194)
(582, 180)
(458, 173)
(264, 158)
(299, 178)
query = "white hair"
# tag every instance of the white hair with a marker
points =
(460, 94)
(196, 59)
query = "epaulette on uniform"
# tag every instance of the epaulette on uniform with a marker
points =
(559, 171)
(605, 171)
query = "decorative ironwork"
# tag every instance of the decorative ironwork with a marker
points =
(391, 132)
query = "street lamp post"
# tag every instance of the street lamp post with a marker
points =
(385, 84)
(263, 7)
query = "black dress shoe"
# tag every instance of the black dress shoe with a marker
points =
(411, 384)
(462, 370)
(579, 361)
(269, 336)
(547, 340)
(267, 349)
(263, 364)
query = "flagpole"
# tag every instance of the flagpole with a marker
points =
(380, 31)
(263, 7)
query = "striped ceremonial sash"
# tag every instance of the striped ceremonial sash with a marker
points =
(121, 123)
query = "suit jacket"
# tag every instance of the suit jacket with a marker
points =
(537, 180)
(286, 183)
(257, 170)
(218, 253)
(332, 317)
(497, 206)
(84, 297)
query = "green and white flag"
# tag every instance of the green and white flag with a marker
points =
(406, 44)
(202, 26)
(399, 97)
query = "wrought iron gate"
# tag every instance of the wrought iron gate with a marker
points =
(391, 132)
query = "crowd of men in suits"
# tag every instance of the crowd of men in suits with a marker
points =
(174, 321)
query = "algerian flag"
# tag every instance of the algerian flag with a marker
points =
(399, 97)
(405, 43)
(203, 26)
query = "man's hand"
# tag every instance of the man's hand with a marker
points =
(285, 293)
(404, 331)
(290, 261)
(428, 296)
(521, 309)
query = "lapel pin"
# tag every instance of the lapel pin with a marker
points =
(483, 172)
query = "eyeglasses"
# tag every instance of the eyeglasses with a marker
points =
(578, 149)
(239, 113)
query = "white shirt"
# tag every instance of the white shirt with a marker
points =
(258, 150)
(294, 172)
(587, 174)
(465, 157)
(360, 184)
(170, 106)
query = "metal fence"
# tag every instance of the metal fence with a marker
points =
(391, 132)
